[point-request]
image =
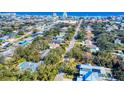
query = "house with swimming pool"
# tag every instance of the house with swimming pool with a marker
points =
(24, 42)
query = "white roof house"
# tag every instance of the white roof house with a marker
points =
(117, 41)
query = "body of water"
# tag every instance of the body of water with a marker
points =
(70, 13)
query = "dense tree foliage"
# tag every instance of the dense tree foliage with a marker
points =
(31, 52)
(47, 72)
(40, 43)
(104, 58)
(70, 68)
(27, 53)
(2, 59)
(53, 64)
(118, 69)
(20, 33)
(80, 35)
(52, 32)
(70, 33)
(104, 41)
(44, 72)
(76, 53)
(54, 56)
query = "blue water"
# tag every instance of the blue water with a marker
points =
(70, 13)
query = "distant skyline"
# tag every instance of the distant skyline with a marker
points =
(70, 13)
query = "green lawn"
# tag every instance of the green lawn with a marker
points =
(17, 36)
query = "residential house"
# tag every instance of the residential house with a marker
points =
(88, 43)
(29, 66)
(64, 29)
(88, 72)
(5, 45)
(59, 38)
(4, 38)
(94, 49)
(117, 41)
(53, 45)
(119, 53)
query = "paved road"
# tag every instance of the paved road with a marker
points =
(60, 76)
(72, 42)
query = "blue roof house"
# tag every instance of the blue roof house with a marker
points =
(88, 72)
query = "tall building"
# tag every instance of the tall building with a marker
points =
(54, 15)
(65, 15)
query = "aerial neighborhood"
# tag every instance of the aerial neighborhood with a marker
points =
(61, 48)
